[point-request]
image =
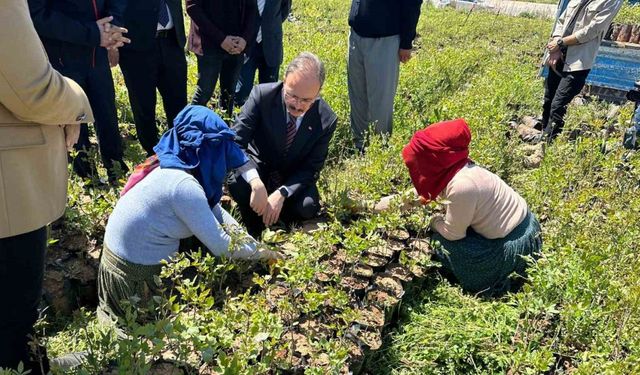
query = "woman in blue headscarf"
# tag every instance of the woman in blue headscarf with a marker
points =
(174, 195)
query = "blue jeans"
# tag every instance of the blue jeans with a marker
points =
(630, 138)
(636, 118)
(255, 62)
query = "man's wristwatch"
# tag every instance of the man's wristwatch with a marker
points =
(284, 192)
(560, 42)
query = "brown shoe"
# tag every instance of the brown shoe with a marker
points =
(532, 122)
(528, 134)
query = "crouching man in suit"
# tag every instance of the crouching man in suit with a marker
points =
(285, 128)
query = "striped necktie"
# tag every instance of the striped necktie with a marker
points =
(291, 133)
(275, 178)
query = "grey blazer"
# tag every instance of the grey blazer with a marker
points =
(591, 23)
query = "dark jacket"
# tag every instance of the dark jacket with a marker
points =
(141, 19)
(382, 18)
(274, 14)
(261, 132)
(213, 20)
(68, 28)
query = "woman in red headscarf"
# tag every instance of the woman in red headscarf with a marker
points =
(487, 227)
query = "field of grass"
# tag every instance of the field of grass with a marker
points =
(540, 1)
(579, 312)
(628, 14)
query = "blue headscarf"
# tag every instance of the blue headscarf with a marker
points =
(202, 142)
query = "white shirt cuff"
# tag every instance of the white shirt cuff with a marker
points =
(250, 174)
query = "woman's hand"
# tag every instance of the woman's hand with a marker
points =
(409, 200)
(271, 255)
(384, 203)
(435, 219)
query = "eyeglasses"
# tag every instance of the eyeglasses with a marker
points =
(304, 101)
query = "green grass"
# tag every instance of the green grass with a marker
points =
(628, 14)
(540, 1)
(579, 313)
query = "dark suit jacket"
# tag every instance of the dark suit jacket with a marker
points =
(382, 18)
(141, 19)
(213, 20)
(274, 14)
(68, 28)
(261, 132)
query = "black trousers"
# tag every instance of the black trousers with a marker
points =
(559, 91)
(21, 271)
(164, 67)
(303, 205)
(216, 64)
(97, 83)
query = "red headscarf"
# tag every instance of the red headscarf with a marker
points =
(435, 154)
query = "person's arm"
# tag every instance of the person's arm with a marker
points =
(559, 25)
(246, 123)
(116, 9)
(409, 199)
(285, 9)
(249, 174)
(598, 25)
(309, 171)
(189, 203)
(59, 26)
(250, 21)
(31, 89)
(245, 126)
(200, 18)
(410, 13)
(461, 209)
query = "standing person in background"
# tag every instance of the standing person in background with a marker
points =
(76, 35)
(35, 104)
(572, 51)
(381, 37)
(153, 60)
(218, 36)
(267, 53)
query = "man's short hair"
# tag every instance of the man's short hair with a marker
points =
(308, 63)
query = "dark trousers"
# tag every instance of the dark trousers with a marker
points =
(97, 83)
(303, 205)
(211, 66)
(21, 272)
(255, 62)
(164, 67)
(559, 91)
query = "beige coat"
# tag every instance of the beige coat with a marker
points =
(34, 101)
(591, 23)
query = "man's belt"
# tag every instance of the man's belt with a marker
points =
(164, 33)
